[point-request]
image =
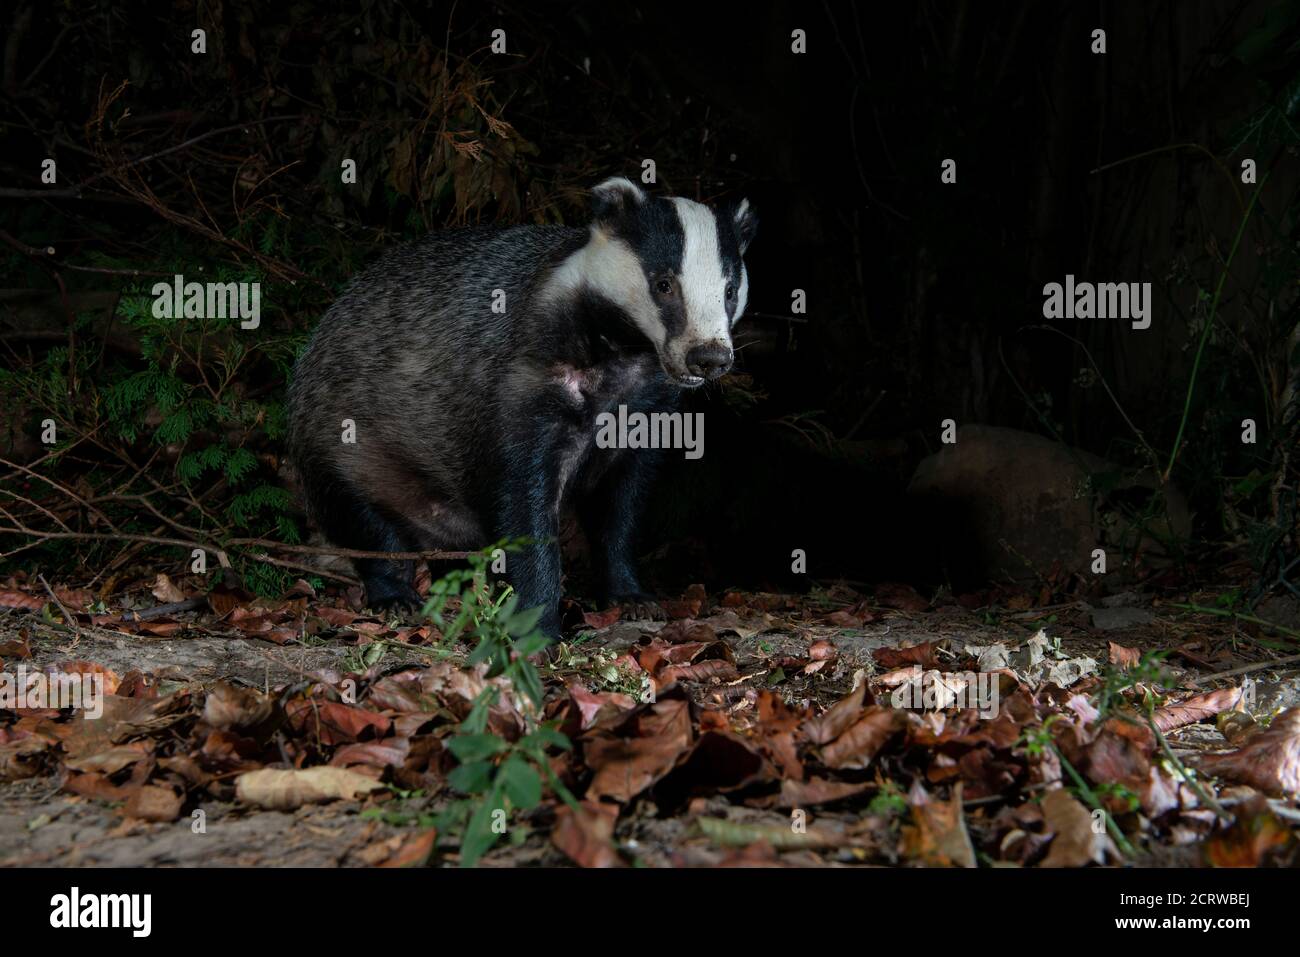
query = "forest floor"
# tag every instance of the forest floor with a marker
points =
(751, 728)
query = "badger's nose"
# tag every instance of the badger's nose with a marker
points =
(709, 360)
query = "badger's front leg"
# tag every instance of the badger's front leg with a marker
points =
(610, 513)
(529, 487)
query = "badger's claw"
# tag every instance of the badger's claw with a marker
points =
(640, 607)
(388, 598)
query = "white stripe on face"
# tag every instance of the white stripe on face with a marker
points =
(609, 267)
(742, 294)
(703, 283)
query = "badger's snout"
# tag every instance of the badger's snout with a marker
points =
(710, 360)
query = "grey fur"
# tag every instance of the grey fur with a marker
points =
(470, 423)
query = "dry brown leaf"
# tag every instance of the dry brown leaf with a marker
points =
(113, 759)
(165, 591)
(413, 851)
(586, 835)
(227, 706)
(1124, 658)
(21, 600)
(22, 758)
(937, 835)
(816, 791)
(626, 766)
(1269, 761)
(1075, 843)
(838, 718)
(1196, 709)
(283, 790)
(903, 597)
(335, 722)
(857, 746)
(153, 803)
(1253, 840)
(87, 669)
(925, 654)
(602, 619)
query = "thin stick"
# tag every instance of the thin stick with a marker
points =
(1225, 613)
(253, 542)
(67, 617)
(295, 566)
(157, 611)
(1246, 669)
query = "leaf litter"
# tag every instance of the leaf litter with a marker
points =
(751, 728)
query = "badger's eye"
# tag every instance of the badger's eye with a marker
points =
(731, 292)
(664, 285)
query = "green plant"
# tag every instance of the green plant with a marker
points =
(497, 775)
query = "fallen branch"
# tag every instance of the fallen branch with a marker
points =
(1226, 613)
(247, 542)
(67, 616)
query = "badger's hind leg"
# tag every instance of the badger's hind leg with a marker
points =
(349, 520)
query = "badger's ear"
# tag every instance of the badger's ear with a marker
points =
(746, 223)
(615, 197)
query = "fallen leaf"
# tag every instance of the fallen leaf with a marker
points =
(227, 706)
(937, 835)
(15, 648)
(1074, 843)
(1269, 761)
(924, 654)
(781, 836)
(21, 601)
(1196, 709)
(586, 834)
(626, 766)
(816, 791)
(857, 746)
(283, 790)
(113, 759)
(1125, 658)
(902, 597)
(153, 803)
(335, 722)
(413, 851)
(165, 591)
(1255, 837)
(87, 669)
(602, 619)
(838, 718)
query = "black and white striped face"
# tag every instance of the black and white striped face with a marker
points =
(676, 267)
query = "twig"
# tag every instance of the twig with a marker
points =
(1246, 669)
(67, 617)
(256, 542)
(66, 491)
(311, 569)
(349, 552)
(1226, 613)
(75, 191)
(157, 611)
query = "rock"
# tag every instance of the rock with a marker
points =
(1116, 619)
(1005, 503)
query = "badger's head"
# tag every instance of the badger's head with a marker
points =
(676, 268)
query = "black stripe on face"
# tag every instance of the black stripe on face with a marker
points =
(655, 234)
(729, 254)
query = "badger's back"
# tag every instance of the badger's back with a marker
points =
(412, 352)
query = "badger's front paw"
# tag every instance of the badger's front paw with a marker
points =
(639, 607)
(389, 596)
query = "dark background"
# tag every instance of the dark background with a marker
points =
(922, 297)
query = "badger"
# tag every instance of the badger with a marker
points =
(448, 398)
